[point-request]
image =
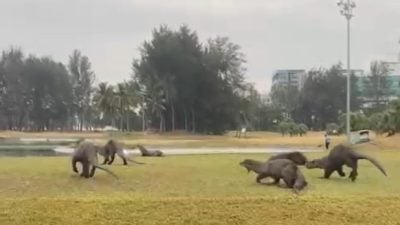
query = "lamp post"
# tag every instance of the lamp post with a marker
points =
(346, 9)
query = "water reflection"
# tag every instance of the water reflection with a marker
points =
(24, 153)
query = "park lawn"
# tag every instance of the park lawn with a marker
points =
(195, 189)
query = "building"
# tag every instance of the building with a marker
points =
(294, 78)
(392, 79)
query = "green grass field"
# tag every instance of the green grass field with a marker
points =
(203, 189)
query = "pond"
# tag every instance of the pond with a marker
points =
(25, 152)
(63, 151)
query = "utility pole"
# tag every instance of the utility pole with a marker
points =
(346, 9)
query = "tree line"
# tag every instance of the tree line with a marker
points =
(321, 103)
(178, 83)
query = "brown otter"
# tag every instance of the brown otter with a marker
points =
(342, 155)
(86, 154)
(146, 152)
(109, 150)
(277, 169)
(297, 157)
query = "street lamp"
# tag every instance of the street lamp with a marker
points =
(346, 9)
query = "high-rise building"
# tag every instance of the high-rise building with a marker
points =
(294, 78)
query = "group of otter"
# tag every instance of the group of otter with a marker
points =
(86, 154)
(285, 166)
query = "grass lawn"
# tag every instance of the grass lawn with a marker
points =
(203, 189)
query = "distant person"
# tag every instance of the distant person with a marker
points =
(327, 141)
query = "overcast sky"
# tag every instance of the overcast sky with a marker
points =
(273, 34)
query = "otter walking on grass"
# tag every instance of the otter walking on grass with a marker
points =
(146, 152)
(342, 155)
(109, 151)
(277, 169)
(86, 154)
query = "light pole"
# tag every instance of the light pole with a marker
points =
(346, 9)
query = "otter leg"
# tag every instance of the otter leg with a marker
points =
(112, 158)
(260, 177)
(92, 171)
(123, 158)
(106, 159)
(353, 173)
(85, 169)
(340, 172)
(74, 168)
(328, 172)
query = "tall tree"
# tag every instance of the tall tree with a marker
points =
(82, 78)
(376, 85)
(15, 94)
(201, 82)
(51, 92)
(104, 100)
(323, 97)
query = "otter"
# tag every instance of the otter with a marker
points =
(146, 152)
(277, 169)
(297, 157)
(86, 154)
(342, 155)
(110, 149)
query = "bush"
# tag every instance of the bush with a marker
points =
(303, 129)
(358, 121)
(332, 129)
(292, 128)
(284, 127)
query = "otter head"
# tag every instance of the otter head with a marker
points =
(248, 163)
(316, 163)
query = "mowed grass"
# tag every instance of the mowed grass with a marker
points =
(201, 189)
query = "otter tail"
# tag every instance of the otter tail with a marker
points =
(373, 161)
(107, 170)
(131, 160)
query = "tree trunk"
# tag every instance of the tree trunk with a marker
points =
(186, 119)
(193, 121)
(143, 120)
(127, 122)
(121, 123)
(113, 122)
(10, 122)
(173, 117)
(81, 122)
(161, 122)
(21, 121)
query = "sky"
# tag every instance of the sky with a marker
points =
(273, 34)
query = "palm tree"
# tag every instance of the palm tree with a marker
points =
(170, 94)
(121, 98)
(104, 100)
(134, 97)
(156, 102)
